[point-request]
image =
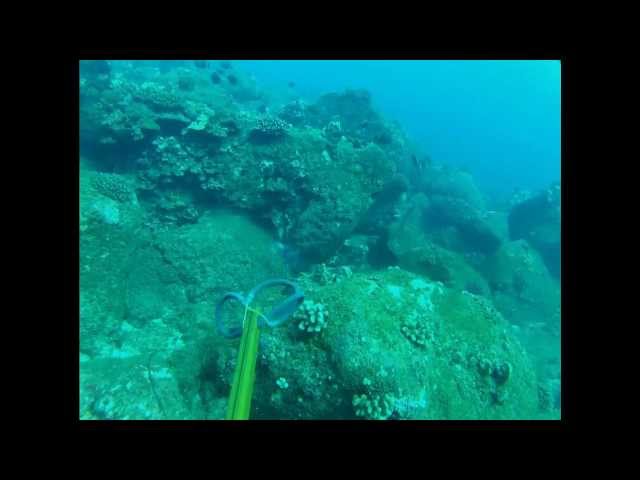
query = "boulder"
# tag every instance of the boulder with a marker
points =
(537, 220)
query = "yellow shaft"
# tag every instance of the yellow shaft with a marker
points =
(244, 377)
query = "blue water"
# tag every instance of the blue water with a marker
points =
(498, 119)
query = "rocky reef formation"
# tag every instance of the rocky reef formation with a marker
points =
(311, 186)
(537, 220)
(419, 298)
(362, 364)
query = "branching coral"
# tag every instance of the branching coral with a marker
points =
(374, 406)
(312, 317)
(417, 331)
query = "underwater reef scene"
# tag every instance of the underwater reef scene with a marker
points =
(423, 298)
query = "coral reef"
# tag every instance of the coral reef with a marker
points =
(191, 187)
